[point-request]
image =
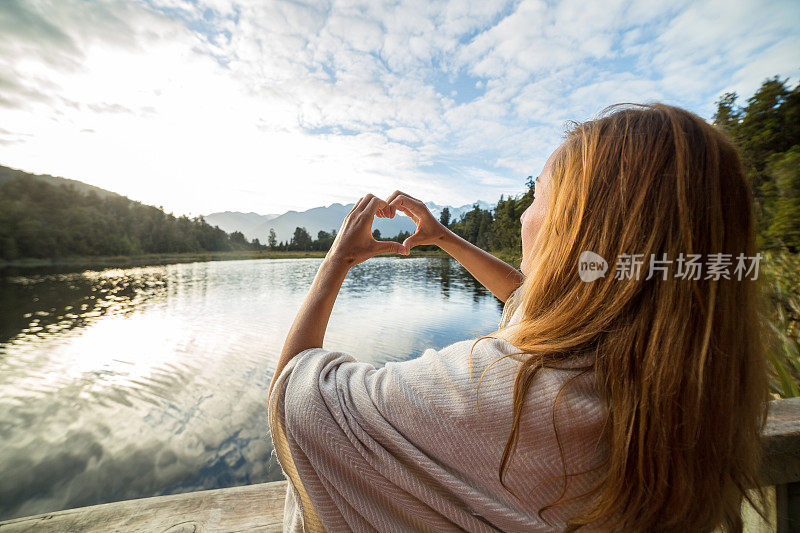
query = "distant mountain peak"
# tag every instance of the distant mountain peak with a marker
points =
(323, 218)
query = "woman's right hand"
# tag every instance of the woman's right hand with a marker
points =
(429, 230)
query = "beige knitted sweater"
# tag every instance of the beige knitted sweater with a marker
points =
(406, 447)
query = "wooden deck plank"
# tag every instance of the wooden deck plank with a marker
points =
(251, 508)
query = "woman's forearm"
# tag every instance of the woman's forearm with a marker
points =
(308, 328)
(493, 273)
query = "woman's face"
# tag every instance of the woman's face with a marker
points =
(533, 217)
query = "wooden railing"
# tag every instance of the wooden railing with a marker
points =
(781, 468)
(260, 507)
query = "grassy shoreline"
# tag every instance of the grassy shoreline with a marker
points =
(172, 258)
(510, 257)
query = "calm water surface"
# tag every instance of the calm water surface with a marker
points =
(135, 382)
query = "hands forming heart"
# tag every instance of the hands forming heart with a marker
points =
(354, 243)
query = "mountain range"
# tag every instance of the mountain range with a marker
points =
(256, 226)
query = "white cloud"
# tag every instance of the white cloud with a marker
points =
(268, 106)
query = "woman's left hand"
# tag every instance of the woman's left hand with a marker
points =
(354, 243)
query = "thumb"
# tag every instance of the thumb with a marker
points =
(412, 241)
(390, 247)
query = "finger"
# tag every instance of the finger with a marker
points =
(352, 210)
(361, 203)
(374, 205)
(410, 214)
(408, 205)
(391, 197)
(385, 211)
(394, 195)
(407, 201)
(384, 247)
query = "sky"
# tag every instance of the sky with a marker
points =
(213, 105)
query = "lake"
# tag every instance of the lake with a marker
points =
(135, 382)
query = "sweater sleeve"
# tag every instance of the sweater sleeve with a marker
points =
(370, 449)
(335, 445)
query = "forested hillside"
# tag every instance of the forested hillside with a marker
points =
(46, 218)
(8, 174)
(767, 131)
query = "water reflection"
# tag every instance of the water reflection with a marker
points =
(135, 382)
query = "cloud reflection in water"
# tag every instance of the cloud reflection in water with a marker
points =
(135, 382)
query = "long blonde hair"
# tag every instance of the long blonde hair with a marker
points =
(679, 363)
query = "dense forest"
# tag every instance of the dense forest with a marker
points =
(41, 219)
(767, 132)
(47, 218)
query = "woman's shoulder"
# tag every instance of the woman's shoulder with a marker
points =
(512, 307)
(485, 369)
(462, 359)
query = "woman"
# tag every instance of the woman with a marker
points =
(628, 399)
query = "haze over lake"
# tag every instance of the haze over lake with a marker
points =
(135, 382)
